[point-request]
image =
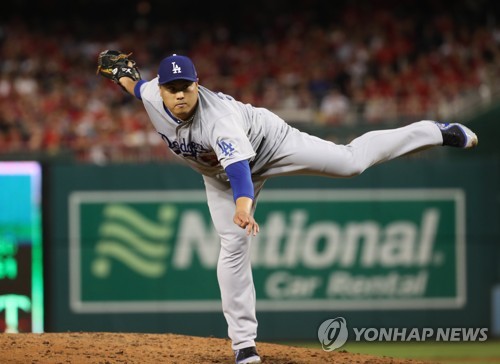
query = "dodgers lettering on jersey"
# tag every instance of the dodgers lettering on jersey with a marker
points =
(191, 150)
(223, 131)
(184, 147)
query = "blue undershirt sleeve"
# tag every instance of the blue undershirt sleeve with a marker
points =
(137, 89)
(240, 179)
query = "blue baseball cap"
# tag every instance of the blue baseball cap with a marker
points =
(176, 67)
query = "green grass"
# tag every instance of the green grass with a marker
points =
(487, 352)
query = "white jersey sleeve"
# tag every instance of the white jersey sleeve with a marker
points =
(229, 140)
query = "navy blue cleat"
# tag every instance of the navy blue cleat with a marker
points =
(247, 356)
(457, 135)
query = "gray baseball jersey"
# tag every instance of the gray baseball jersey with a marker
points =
(223, 131)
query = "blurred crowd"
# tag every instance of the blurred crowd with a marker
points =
(374, 63)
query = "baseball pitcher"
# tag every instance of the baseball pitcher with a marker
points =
(236, 147)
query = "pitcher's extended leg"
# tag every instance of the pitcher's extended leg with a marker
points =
(302, 153)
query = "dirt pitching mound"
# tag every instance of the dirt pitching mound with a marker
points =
(110, 348)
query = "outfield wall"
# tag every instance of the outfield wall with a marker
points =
(412, 243)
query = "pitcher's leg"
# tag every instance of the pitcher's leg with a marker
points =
(306, 154)
(382, 145)
(234, 271)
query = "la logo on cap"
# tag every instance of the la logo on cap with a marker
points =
(176, 68)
